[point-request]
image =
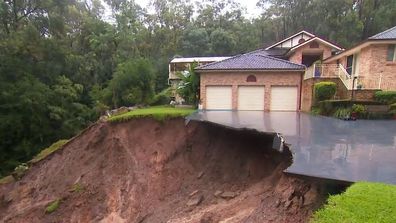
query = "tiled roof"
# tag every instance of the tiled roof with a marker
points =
(387, 34)
(255, 60)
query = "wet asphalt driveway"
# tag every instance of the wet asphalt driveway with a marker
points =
(363, 150)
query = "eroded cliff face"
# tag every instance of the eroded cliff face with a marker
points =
(147, 171)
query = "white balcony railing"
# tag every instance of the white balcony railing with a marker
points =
(330, 71)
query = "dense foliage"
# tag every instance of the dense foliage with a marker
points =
(62, 63)
(325, 90)
(387, 97)
(189, 85)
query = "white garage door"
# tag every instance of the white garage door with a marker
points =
(219, 97)
(251, 98)
(284, 98)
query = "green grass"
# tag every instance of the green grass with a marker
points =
(52, 206)
(47, 151)
(362, 202)
(77, 188)
(159, 113)
(6, 180)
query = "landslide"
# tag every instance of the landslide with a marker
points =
(145, 171)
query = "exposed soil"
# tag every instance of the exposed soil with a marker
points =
(144, 171)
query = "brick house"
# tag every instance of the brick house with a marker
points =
(372, 62)
(269, 79)
(359, 71)
(281, 77)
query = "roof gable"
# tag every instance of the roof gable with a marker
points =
(256, 60)
(385, 35)
(295, 44)
(302, 33)
(319, 40)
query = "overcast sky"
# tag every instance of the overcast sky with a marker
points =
(250, 5)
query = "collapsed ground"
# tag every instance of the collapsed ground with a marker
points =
(149, 171)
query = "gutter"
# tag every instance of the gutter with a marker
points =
(251, 70)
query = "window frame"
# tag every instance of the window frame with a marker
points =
(388, 59)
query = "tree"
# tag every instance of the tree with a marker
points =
(189, 85)
(133, 83)
(195, 42)
(222, 42)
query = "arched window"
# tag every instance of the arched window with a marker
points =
(251, 78)
(301, 40)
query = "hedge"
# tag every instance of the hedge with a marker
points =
(387, 97)
(325, 90)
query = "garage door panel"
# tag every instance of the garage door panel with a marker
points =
(251, 98)
(219, 97)
(284, 98)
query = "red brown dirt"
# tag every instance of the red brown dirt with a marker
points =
(144, 171)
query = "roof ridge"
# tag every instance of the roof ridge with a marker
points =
(216, 62)
(282, 60)
(383, 32)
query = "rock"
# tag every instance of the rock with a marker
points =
(200, 175)
(277, 203)
(288, 204)
(218, 193)
(229, 195)
(193, 193)
(310, 197)
(195, 201)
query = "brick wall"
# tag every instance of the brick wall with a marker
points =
(235, 79)
(307, 99)
(298, 53)
(364, 95)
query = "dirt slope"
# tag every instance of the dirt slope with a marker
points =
(144, 171)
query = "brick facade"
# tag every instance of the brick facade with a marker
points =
(235, 79)
(372, 66)
(296, 57)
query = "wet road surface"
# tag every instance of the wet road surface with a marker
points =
(363, 150)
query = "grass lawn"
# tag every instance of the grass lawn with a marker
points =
(362, 202)
(47, 151)
(159, 113)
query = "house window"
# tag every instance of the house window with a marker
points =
(391, 55)
(251, 78)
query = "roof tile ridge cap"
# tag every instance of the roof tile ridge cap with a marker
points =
(385, 31)
(213, 63)
(282, 60)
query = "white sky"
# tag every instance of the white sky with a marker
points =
(252, 11)
(250, 5)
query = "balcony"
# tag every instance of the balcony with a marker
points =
(355, 81)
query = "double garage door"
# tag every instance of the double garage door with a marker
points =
(283, 98)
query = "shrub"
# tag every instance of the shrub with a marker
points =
(387, 97)
(325, 90)
(162, 98)
(392, 107)
(52, 206)
(327, 107)
(358, 108)
(20, 171)
(342, 113)
(316, 111)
